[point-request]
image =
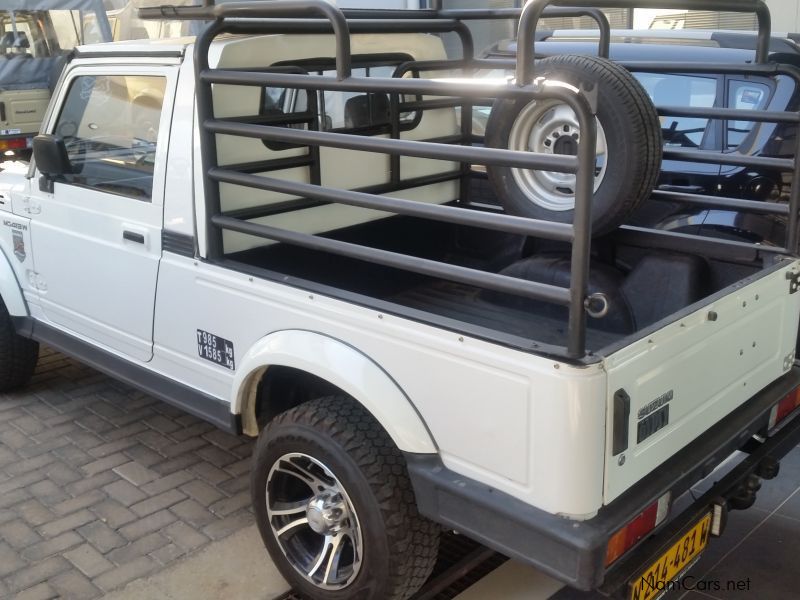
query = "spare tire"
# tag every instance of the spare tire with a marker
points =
(628, 143)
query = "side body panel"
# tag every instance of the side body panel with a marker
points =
(522, 424)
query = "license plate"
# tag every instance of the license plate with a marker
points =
(654, 581)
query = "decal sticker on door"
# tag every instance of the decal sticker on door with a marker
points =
(19, 245)
(215, 349)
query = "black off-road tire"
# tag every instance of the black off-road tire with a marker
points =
(18, 355)
(633, 133)
(400, 547)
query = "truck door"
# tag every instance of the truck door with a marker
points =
(97, 235)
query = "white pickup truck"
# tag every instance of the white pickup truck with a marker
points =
(284, 230)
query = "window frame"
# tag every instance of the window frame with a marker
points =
(767, 82)
(169, 73)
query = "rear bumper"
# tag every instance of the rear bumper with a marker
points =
(574, 551)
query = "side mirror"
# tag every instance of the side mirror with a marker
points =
(51, 155)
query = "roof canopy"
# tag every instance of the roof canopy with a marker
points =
(96, 5)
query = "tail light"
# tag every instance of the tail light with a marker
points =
(13, 144)
(639, 528)
(785, 407)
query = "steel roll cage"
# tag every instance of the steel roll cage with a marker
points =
(317, 16)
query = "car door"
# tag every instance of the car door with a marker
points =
(97, 234)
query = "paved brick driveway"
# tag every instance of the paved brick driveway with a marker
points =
(101, 484)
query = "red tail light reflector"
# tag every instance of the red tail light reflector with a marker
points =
(627, 537)
(785, 407)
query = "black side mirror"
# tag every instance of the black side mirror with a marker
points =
(51, 155)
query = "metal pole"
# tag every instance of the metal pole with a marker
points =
(582, 224)
(793, 235)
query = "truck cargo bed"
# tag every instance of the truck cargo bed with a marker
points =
(644, 286)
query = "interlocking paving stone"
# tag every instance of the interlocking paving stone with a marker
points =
(88, 560)
(185, 536)
(168, 482)
(113, 513)
(193, 513)
(68, 523)
(156, 503)
(135, 473)
(10, 560)
(210, 473)
(101, 536)
(202, 492)
(169, 553)
(86, 500)
(51, 546)
(18, 534)
(37, 572)
(103, 464)
(141, 547)
(148, 524)
(121, 575)
(227, 506)
(101, 484)
(124, 492)
(41, 591)
(34, 512)
(72, 584)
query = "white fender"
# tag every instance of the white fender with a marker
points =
(344, 367)
(10, 290)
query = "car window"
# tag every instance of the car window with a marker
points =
(110, 124)
(336, 110)
(20, 36)
(747, 95)
(684, 91)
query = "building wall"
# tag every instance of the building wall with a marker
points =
(785, 15)
(785, 18)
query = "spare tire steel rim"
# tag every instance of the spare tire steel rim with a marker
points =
(313, 521)
(551, 127)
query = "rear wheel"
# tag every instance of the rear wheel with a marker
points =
(18, 355)
(335, 507)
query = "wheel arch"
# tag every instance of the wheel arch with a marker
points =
(338, 364)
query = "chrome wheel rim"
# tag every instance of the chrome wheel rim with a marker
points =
(314, 521)
(551, 127)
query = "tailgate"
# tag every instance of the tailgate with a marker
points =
(685, 377)
(25, 110)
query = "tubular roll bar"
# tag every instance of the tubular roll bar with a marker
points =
(307, 17)
(317, 16)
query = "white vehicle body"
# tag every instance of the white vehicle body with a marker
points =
(99, 272)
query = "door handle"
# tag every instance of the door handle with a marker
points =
(132, 236)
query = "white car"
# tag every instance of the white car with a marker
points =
(243, 228)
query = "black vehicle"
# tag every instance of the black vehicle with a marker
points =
(634, 49)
